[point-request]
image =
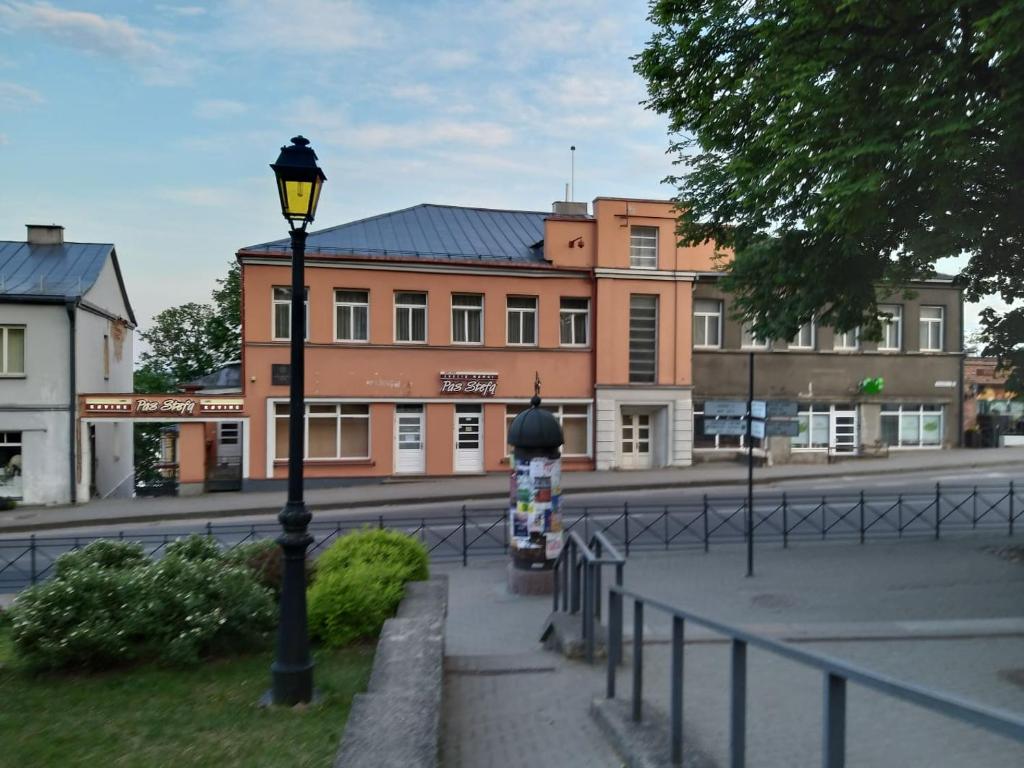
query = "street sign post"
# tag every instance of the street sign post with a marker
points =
(757, 409)
(780, 409)
(726, 408)
(782, 428)
(757, 428)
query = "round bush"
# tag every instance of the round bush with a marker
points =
(406, 556)
(352, 603)
(195, 547)
(107, 555)
(265, 560)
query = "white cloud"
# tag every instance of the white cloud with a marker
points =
(302, 26)
(216, 109)
(456, 59)
(417, 92)
(182, 10)
(4, 139)
(384, 135)
(204, 197)
(13, 95)
(99, 35)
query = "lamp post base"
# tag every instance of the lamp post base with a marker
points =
(267, 700)
(522, 581)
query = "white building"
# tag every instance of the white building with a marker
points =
(65, 329)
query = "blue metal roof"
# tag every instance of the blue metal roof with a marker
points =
(67, 270)
(434, 232)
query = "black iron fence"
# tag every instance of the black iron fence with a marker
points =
(835, 675)
(714, 520)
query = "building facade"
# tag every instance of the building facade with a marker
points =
(918, 360)
(66, 328)
(993, 414)
(427, 328)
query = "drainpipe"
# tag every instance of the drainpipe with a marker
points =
(960, 377)
(71, 305)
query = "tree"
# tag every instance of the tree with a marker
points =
(226, 326)
(179, 343)
(839, 150)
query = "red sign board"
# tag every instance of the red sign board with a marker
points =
(160, 406)
(469, 383)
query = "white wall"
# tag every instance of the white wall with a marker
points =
(45, 476)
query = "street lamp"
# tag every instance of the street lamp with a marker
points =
(299, 180)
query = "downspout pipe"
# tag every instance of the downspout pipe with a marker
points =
(71, 305)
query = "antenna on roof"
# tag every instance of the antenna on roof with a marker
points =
(572, 155)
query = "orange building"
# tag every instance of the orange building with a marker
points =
(427, 326)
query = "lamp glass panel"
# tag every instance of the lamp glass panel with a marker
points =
(298, 199)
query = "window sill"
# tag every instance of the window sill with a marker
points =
(13, 376)
(367, 462)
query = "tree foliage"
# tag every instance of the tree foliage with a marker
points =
(842, 148)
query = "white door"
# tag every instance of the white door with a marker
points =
(636, 441)
(229, 440)
(844, 431)
(410, 456)
(469, 444)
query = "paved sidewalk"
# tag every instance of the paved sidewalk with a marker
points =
(946, 614)
(494, 486)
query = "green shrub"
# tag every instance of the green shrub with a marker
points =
(106, 555)
(406, 555)
(175, 610)
(352, 603)
(196, 548)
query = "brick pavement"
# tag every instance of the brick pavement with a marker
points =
(489, 717)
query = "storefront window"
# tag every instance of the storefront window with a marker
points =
(10, 464)
(333, 431)
(575, 421)
(911, 425)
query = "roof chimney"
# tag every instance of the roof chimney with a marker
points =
(45, 234)
(566, 208)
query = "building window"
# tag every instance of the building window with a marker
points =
(10, 464)
(892, 327)
(575, 421)
(411, 317)
(351, 315)
(814, 422)
(643, 339)
(715, 442)
(707, 323)
(333, 431)
(574, 319)
(911, 426)
(12, 350)
(750, 341)
(467, 318)
(804, 338)
(522, 320)
(643, 247)
(282, 312)
(846, 341)
(931, 328)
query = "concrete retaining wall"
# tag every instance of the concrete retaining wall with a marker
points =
(397, 722)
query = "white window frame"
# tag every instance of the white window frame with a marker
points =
(350, 307)
(463, 313)
(339, 418)
(5, 363)
(704, 317)
(748, 340)
(558, 411)
(920, 413)
(572, 313)
(639, 252)
(925, 328)
(896, 310)
(275, 302)
(837, 336)
(795, 343)
(810, 411)
(655, 342)
(411, 307)
(520, 312)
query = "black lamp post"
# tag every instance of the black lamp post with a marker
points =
(299, 180)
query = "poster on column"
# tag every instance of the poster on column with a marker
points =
(535, 491)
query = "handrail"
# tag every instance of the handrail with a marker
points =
(836, 672)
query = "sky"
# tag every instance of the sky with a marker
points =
(151, 125)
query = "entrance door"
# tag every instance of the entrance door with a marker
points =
(410, 457)
(636, 441)
(225, 471)
(469, 444)
(844, 431)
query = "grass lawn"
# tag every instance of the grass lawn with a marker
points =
(152, 716)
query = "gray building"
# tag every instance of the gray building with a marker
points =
(919, 361)
(65, 329)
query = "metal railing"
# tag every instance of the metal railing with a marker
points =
(631, 527)
(578, 569)
(836, 674)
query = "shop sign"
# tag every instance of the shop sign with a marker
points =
(469, 383)
(161, 406)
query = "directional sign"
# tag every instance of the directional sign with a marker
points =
(757, 428)
(757, 409)
(725, 408)
(781, 409)
(725, 426)
(781, 428)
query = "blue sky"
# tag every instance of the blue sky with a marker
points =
(151, 125)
